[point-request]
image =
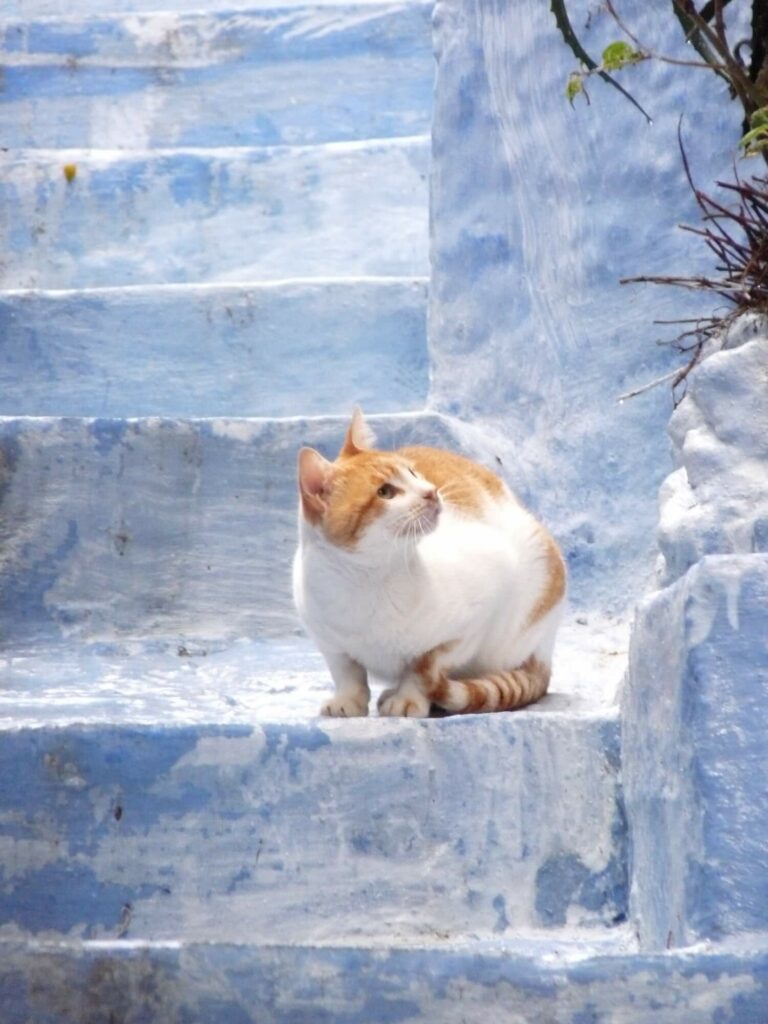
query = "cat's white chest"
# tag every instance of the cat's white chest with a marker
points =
(372, 617)
(449, 590)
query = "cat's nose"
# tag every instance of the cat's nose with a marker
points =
(430, 495)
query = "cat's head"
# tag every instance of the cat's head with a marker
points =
(367, 500)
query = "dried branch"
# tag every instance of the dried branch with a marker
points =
(738, 237)
(647, 387)
(709, 64)
(742, 85)
(693, 35)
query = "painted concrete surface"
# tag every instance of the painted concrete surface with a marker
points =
(716, 501)
(182, 787)
(696, 710)
(31, 9)
(155, 527)
(347, 803)
(537, 210)
(118, 528)
(232, 350)
(253, 985)
(189, 680)
(213, 215)
(695, 720)
(323, 831)
(269, 77)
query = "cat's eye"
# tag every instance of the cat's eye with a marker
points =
(387, 491)
(412, 471)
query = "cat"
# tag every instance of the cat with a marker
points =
(420, 567)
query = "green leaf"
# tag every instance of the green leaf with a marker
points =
(618, 55)
(755, 141)
(755, 133)
(574, 86)
(565, 28)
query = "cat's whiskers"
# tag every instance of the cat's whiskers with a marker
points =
(410, 553)
(413, 526)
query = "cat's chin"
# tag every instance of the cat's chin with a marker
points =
(429, 522)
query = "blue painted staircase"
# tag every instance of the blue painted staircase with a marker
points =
(215, 241)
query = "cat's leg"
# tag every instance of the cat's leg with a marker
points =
(411, 698)
(352, 692)
(406, 700)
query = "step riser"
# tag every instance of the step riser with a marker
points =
(215, 351)
(293, 77)
(186, 216)
(158, 527)
(319, 832)
(357, 986)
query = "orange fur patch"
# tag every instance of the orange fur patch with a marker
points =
(461, 482)
(353, 503)
(498, 691)
(554, 589)
(426, 666)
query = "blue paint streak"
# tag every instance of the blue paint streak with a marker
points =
(67, 894)
(290, 742)
(25, 586)
(108, 434)
(192, 181)
(500, 906)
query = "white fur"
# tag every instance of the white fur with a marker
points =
(470, 582)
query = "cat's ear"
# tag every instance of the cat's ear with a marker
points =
(359, 437)
(315, 475)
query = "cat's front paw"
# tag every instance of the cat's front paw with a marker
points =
(404, 703)
(345, 706)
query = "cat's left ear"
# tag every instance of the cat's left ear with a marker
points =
(315, 475)
(359, 437)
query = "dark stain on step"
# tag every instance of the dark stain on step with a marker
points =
(121, 540)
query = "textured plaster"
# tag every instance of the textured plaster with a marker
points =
(182, 838)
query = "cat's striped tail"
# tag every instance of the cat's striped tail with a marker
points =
(496, 691)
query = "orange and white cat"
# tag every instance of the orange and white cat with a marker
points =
(421, 568)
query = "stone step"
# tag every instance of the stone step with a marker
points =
(234, 681)
(84, 218)
(445, 983)
(192, 810)
(113, 528)
(33, 9)
(215, 350)
(177, 784)
(302, 75)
